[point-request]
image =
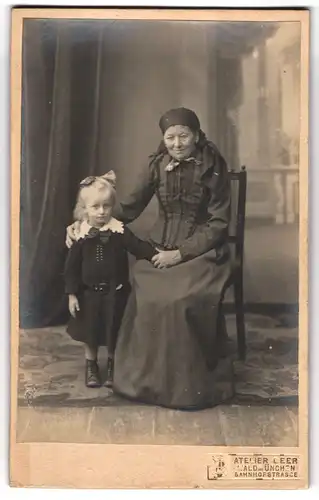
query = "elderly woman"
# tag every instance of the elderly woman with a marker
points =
(171, 348)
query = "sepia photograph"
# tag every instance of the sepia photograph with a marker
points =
(159, 274)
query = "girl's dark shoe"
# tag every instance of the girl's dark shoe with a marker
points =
(92, 374)
(110, 369)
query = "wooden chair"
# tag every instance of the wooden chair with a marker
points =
(237, 237)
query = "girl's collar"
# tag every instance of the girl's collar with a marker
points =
(114, 225)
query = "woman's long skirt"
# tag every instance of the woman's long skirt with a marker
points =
(170, 348)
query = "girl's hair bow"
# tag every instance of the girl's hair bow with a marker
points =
(109, 177)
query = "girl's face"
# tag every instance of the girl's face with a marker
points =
(98, 206)
(180, 141)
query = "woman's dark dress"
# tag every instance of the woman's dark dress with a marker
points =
(170, 345)
(92, 274)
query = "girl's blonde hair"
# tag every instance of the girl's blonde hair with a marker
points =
(97, 183)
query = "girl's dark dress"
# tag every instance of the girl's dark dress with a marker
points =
(92, 272)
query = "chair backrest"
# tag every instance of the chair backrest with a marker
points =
(238, 211)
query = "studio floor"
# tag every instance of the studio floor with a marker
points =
(233, 425)
(55, 406)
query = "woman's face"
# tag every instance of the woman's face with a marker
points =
(180, 141)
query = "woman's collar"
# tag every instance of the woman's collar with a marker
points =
(205, 157)
(170, 163)
(113, 225)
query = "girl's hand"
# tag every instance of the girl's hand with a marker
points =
(71, 232)
(166, 258)
(74, 306)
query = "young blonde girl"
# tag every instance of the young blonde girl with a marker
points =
(91, 271)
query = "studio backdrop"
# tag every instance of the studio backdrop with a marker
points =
(93, 92)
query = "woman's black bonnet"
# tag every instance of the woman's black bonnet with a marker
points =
(179, 116)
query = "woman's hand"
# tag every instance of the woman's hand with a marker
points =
(74, 305)
(71, 233)
(167, 258)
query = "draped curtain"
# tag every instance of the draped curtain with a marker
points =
(60, 102)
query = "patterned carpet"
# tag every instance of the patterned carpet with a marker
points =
(51, 366)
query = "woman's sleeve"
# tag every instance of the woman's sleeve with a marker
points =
(215, 231)
(72, 269)
(133, 205)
